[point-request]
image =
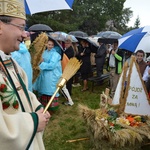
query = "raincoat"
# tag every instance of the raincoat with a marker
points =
(50, 74)
(23, 58)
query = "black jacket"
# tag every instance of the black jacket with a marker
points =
(101, 51)
(69, 52)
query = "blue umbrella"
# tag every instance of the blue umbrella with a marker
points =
(70, 2)
(137, 39)
(27, 8)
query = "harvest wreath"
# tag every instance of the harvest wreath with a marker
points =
(124, 122)
(110, 130)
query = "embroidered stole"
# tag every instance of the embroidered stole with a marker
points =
(18, 85)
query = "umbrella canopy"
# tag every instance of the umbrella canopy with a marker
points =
(108, 37)
(78, 33)
(93, 45)
(36, 29)
(37, 6)
(62, 36)
(137, 39)
(40, 27)
(109, 34)
(59, 35)
(73, 38)
(56, 43)
(70, 2)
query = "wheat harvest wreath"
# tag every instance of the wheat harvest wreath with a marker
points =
(124, 122)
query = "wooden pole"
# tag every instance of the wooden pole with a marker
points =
(81, 139)
(60, 85)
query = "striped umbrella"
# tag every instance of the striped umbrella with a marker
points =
(38, 6)
(137, 39)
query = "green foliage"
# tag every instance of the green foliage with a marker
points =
(137, 22)
(88, 15)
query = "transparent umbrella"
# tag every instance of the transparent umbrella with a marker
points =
(62, 36)
(59, 35)
(78, 33)
(108, 37)
(92, 44)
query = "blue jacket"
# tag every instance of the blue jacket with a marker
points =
(22, 56)
(50, 74)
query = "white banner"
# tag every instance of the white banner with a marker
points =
(136, 101)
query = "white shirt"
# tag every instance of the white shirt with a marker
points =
(146, 74)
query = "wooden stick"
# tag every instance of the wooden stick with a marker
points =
(81, 139)
(51, 99)
(60, 85)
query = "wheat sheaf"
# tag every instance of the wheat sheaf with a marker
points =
(36, 50)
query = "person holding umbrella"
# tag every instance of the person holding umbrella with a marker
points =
(100, 58)
(84, 54)
(115, 64)
(21, 114)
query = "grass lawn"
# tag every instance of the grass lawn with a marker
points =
(67, 123)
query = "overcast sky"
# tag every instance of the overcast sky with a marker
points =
(140, 8)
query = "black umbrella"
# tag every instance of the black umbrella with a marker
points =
(93, 45)
(36, 29)
(106, 41)
(40, 28)
(78, 33)
(108, 37)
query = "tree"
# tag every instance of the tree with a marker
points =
(137, 22)
(88, 15)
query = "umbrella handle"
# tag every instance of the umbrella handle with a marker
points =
(84, 50)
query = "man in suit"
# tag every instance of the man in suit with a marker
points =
(100, 58)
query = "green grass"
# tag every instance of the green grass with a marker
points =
(67, 123)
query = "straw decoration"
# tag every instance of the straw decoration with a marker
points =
(102, 137)
(71, 68)
(123, 89)
(36, 50)
(128, 83)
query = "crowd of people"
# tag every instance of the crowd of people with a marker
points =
(51, 67)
